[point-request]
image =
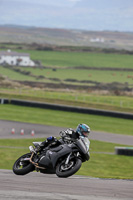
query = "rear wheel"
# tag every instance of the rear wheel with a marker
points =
(63, 170)
(22, 165)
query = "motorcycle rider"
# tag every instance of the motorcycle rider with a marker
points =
(62, 157)
(82, 131)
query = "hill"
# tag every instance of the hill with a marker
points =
(67, 37)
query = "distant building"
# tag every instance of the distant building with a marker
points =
(97, 40)
(14, 58)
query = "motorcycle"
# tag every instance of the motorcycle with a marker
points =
(64, 159)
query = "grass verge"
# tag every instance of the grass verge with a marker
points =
(100, 165)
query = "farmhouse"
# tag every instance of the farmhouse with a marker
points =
(14, 58)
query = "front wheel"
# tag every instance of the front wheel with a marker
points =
(63, 170)
(22, 165)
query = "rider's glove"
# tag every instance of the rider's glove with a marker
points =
(69, 131)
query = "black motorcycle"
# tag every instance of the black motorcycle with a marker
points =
(64, 159)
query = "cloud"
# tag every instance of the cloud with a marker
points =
(79, 14)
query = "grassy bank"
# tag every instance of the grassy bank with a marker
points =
(83, 99)
(100, 165)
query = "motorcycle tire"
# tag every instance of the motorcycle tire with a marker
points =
(23, 167)
(66, 171)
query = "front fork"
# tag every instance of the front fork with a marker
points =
(68, 158)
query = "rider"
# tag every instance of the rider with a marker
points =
(82, 131)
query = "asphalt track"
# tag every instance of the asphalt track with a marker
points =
(43, 131)
(49, 187)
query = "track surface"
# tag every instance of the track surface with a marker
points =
(43, 131)
(49, 187)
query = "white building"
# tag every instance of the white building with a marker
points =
(97, 40)
(14, 58)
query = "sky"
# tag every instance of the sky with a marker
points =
(98, 15)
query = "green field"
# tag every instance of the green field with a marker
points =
(66, 72)
(59, 72)
(70, 59)
(88, 75)
(73, 76)
(14, 75)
